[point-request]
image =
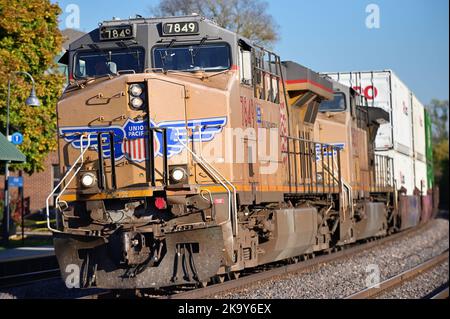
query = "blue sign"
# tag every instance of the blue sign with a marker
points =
(17, 138)
(325, 151)
(258, 115)
(15, 181)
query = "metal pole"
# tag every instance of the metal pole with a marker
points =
(22, 210)
(6, 217)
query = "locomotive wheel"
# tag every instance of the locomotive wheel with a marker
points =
(219, 279)
(233, 275)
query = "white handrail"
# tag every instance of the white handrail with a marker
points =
(219, 178)
(223, 177)
(79, 159)
(349, 198)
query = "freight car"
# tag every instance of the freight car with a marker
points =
(403, 138)
(190, 153)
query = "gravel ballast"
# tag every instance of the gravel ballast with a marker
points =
(420, 286)
(345, 277)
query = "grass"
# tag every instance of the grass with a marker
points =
(16, 242)
(36, 226)
(31, 240)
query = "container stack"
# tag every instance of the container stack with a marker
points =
(407, 137)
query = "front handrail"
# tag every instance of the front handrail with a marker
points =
(80, 160)
(234, 201)
(220, 178)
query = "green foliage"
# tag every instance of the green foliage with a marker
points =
(248, 18)
(29, 41)
(439, 117)
(440, 156)
(438, 111)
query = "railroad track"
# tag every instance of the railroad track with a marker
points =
(303, 266)
(27, 271)
(259, 274)
(406, 276)
(440, 293)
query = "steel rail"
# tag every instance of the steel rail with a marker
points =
(23, 279)
(287, 269)
(23, 270)
(440, 293)
(399, 279)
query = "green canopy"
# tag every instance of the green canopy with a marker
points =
(8, 152)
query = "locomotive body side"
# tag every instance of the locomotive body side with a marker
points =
(348, 123)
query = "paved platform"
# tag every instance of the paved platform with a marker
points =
(23, 253)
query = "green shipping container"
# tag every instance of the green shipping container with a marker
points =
(429, 150)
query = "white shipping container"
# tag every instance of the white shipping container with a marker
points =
(419, 129)
(385, 90)
(403, 170)
(420, 170)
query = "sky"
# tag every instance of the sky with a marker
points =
(411, 37)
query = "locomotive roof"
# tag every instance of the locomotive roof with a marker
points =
(145, 29)
(148, 33)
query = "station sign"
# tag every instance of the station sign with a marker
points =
(15, 181)
(16, 138)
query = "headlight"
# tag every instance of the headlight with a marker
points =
(178, 175)
(319, 177)
(135, 90)
(137, 102)
(88, 180)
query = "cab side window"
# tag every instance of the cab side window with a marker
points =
(245, 63)
(261, 69)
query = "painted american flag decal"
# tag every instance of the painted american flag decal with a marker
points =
(135, 150)
(131, 141)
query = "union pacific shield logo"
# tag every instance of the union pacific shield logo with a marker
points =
(131, 141)
(135, 145)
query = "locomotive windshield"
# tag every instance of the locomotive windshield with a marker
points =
(338, 104)
(97, 63)
(206, 57)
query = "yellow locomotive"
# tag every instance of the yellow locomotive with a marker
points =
(190, 153)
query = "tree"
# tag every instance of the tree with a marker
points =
(248, 18)
(438, 111)
(439, 116)
(29, 41)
